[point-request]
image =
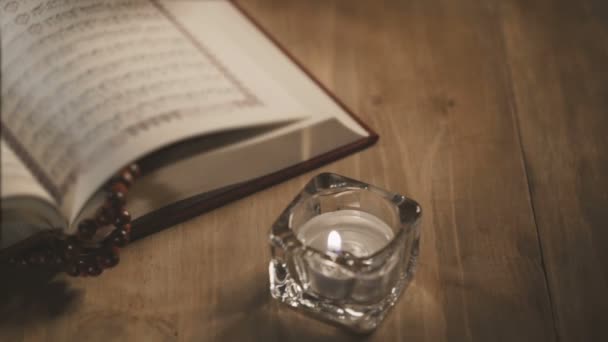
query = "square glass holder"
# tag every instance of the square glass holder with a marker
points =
(343, 251)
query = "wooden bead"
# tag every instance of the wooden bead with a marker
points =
(91, 262)
(127, 228)
(123, 217)
(120, 237)
(105, 215)
(71, 249)
(119, 241)
(117, 199)
(119, 187)
(109, 259)
(87, 228)
(33, 259)
(135, 170)
(82, 267)
(41, 259)
(102, 218)
(51, 258)
(126, 177)
(94, 270)
(72, 270)
(56, 260)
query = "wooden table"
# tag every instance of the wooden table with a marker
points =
(493, 114)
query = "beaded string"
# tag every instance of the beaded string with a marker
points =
(82, 254)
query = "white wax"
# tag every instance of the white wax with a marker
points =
(353, 231)
(361, 234)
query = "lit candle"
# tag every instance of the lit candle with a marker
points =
(340, 233)
(344, 250)
(334, 242)
(352, 231)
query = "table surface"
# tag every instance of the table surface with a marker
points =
(492, 114)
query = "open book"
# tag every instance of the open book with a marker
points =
(207, 104)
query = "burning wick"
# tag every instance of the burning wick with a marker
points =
(334, 242)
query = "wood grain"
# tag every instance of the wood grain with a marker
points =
(558, 54)
(476, 102)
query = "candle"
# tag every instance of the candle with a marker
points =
(352, 231)
(342, 232)
(344, 250)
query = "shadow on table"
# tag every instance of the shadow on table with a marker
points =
(248, 313)
(29, 296)
(261, 326)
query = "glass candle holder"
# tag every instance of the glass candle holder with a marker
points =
(343, 251)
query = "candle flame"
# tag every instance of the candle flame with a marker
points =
(334, 241)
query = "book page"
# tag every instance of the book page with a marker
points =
(91, 85)
(27, 208)
(241, 37)
(328, 127)
(16, 179)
